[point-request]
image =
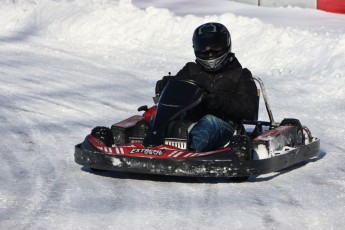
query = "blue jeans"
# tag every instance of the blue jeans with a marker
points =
(210, 133)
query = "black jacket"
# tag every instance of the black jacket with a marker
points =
(233, 81)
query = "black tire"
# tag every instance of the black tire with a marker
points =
(300, 138)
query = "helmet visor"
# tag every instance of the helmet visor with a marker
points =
(211, 45)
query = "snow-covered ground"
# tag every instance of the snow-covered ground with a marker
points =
(69, 65)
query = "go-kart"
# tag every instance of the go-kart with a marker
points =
(160, 146)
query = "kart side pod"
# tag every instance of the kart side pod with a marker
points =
(289, 134)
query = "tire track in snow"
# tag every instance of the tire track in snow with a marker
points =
(35, 179)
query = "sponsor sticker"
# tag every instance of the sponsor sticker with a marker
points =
(156, 152)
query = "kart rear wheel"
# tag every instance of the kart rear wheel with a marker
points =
(300, 138)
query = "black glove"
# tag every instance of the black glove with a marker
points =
(216, 101)
(161, 84)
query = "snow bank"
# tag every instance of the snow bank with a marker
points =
(307, 63)
(289, 53)
(119, 24)
(298, 59)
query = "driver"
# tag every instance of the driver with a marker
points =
(232, 93)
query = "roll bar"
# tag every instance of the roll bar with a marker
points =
(264, 95)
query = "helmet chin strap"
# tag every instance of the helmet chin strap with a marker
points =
(215, 64)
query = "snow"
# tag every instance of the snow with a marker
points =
(67, 66)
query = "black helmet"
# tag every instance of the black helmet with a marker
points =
(212, 44)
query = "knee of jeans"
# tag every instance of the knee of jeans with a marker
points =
(209, 118)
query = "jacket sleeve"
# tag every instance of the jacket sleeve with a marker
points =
(243, 104)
